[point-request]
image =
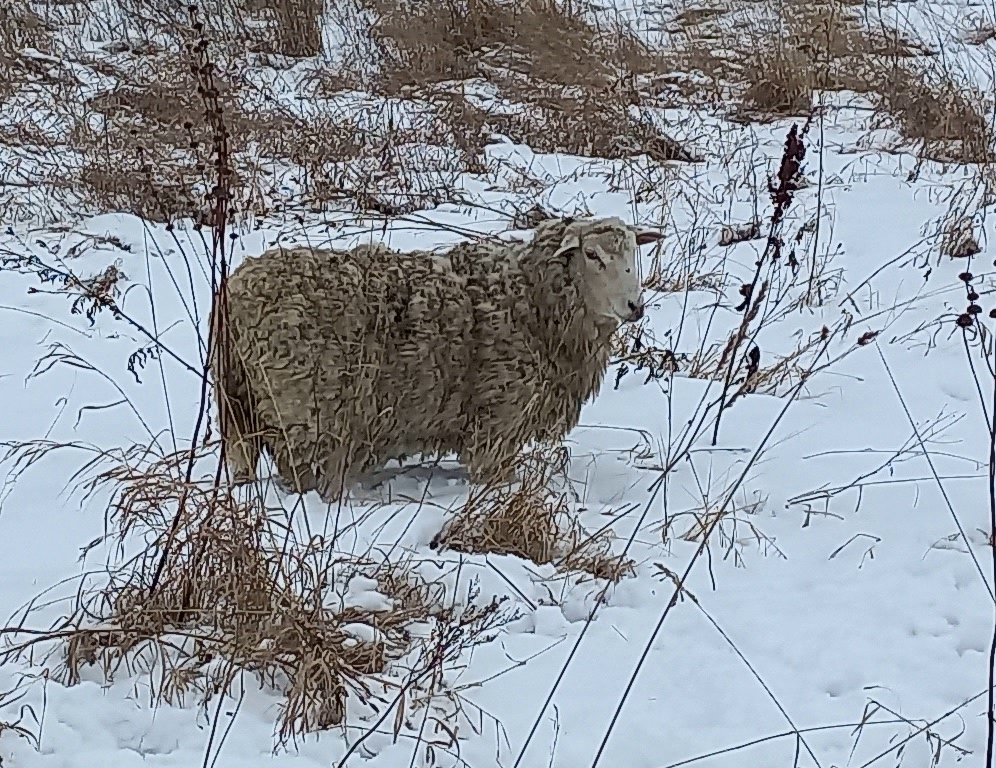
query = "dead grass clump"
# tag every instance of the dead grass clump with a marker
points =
(285, 27)
(574, 81)
(294, 27)
(812, 47)
(781, 82)
(958, 239)
(20, 28)
(423, 42)
(220, 590)
(772, 58)
(530, 521)
(947, 119)
(147, 146)
(591, 124)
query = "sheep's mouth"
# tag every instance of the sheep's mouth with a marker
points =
(635, 314)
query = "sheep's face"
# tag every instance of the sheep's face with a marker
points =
(606, 258)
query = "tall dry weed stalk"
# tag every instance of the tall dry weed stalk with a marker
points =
(754, 293)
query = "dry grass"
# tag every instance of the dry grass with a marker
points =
(574, 83)
(284, 27)
(773, 59)
(146, 148)
(222, 588)
(294, 27)
(541, 41)
(20, 28)
(945, 118)
(532, 522)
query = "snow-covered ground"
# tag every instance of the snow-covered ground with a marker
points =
(842, 614)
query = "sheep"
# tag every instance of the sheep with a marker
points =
(339, 361)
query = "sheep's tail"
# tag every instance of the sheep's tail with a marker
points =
(241, 443)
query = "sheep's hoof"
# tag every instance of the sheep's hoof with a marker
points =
(500, 478)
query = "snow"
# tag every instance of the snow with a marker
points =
(840, 596)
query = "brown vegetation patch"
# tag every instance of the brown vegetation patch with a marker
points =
(530, 521)
(428, 42)
(221, 590)
(946, 118)
(771, 59)
(285, 27)
(775, 57)
(574, 80)
(20, 28)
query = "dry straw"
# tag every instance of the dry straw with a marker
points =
(531, 521)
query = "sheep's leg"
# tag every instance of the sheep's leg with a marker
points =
(336, 475)
(240, 437)
(490, 463)
(242, 455)
(294, 473)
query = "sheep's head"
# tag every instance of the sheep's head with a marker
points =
(603, 254)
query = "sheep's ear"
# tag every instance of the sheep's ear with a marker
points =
(568, 244)
(646, 236)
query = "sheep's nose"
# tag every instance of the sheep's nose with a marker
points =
(636, 311)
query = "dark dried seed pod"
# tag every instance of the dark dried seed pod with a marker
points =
(974, 309)
(965, 276)
(992, 314)
(973, 296)
(964, 321)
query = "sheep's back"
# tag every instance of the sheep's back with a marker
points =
(372, 340)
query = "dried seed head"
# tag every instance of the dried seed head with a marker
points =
(973, 296)
(974, 309)
(964, 320)
(965, 276)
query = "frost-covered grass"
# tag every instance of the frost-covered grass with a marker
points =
(838, 605)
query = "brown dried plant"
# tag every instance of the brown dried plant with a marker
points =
(947, 119)
(575, 81)
(529, 520)
(775, 57)
(20, 28)
(239, 593)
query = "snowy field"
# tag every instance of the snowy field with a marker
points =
(842, 610)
